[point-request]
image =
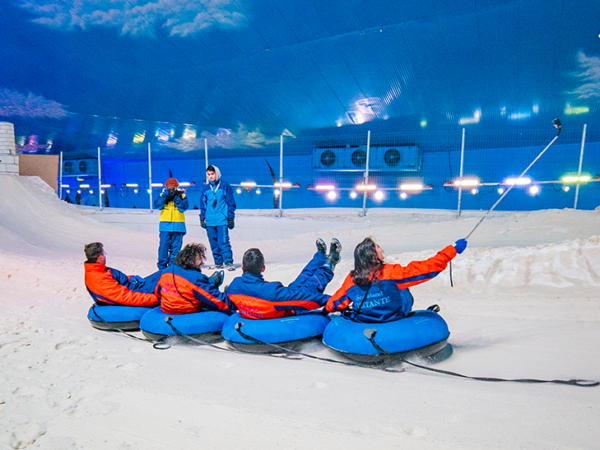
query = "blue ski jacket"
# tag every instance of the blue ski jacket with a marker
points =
(388, 298)
(217, 203)
(256, 298)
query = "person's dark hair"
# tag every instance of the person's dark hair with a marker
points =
(211, 168)
(186, 258)
(253, 261)
(367, 265)
(93, 251)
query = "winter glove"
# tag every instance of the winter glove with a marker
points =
(218, 277)
(230, 223)
(460, 245)
(202, 222)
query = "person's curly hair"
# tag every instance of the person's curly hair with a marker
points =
(186, 258)
(367, 265)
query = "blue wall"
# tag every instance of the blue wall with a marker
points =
(490, 165)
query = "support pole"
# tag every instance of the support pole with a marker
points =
(100, 203)
(462, 160)
(366, 175)
(580, 163)
(281, 175)
(205, 159)
(60, 168)
(150, 174)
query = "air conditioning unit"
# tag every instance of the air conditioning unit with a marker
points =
(77, 167)
(355, 158)
(399, 158)
(328, 158)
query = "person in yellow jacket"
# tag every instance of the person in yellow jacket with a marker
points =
(172, 203)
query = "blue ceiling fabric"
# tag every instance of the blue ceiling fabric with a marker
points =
(80, 73)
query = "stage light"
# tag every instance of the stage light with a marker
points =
(238, 190)
(64, 186)
(353, 195)
(378, 195)
(258, 191)
(79, 191)
(248, 184)
(105, 186)
(464, 182)
(566, 188)
(575, 179)
(518, 181)
(103, 192)
(285, 184)
(84, 186)
(184, 184)
(91, 191)
(133, 185)
(68, 191)
(474, 191)
(411, 187)
(331, 195)
(403, 195)
(276, 192)
(149, 191)
(534, 190)
(156, 185)
(500, 191)
(324, 187)
(135, 191)
(368, 187)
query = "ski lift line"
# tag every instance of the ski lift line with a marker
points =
(370, 335)
(558, 125)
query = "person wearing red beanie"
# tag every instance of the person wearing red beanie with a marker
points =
(172, 204)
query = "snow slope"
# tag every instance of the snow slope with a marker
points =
(525, 304)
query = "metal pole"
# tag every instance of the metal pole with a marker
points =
(462, 159)
(280, 175)
(580, 162)
(366, 175)
(61, 173)
(205, 159)
(100, 203)
(150, 174)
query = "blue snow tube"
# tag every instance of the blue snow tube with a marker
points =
(283, 332)
(421, 332)
(116, 317)
(204, 325)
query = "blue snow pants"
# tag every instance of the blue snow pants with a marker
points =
(314, 277)
(218, 237)
(170, 245)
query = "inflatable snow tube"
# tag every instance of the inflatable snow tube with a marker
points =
(116, 317)
(285, 332)
(422, 332)
(205, 326)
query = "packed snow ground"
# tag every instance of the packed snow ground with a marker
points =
(525, 304)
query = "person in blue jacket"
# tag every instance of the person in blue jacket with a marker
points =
(173, 203)
(217, 216)
(256, 298)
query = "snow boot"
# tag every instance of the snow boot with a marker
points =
(321, 246)
(335, 248)
(229, 266)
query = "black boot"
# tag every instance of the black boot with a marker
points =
(335, 248)
(321, 246)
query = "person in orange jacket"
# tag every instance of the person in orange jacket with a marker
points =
(376, 292)
(184, 289)
(109, 286)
